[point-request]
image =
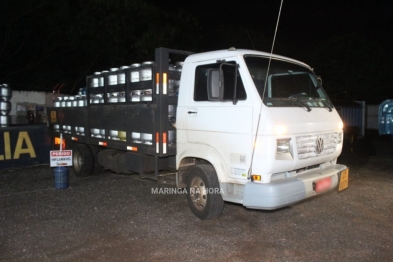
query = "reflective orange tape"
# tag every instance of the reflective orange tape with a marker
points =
(157, 83)
(164, 143)
(164, 83)
(132, 148)
(157, 142)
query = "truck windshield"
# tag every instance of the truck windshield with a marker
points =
(288, 84)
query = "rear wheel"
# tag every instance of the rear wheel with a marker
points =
(203, 192)
(82, 160)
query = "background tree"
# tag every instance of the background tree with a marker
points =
(47, 42)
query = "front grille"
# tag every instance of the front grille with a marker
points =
(316, 145)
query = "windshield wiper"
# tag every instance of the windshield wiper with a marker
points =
(327, 105)
(295, 99)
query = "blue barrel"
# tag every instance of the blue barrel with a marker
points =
(61, 177)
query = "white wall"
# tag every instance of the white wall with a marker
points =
(33, 97)
(21, 101)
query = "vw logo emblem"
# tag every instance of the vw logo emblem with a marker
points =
(319, 145)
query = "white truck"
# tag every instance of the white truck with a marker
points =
(235, 125)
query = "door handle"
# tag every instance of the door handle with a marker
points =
(192, 112)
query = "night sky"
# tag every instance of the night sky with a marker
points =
(344, 41)
(348, 43)
(301, 23)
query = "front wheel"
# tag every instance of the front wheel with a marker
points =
(203, 192)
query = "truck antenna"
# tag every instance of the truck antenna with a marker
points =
(249, 37)
(263, 94)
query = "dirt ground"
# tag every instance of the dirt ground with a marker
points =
(114, 217)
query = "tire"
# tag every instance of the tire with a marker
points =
(203, 192)
(82, 160)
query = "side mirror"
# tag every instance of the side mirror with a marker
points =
(214, 91)
(319, 80)
(230, 69)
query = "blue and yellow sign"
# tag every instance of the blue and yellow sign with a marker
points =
(24, 146)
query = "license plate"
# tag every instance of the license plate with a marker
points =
(343, 180)
(322, 184)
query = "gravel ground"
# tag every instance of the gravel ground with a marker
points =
(114, 217)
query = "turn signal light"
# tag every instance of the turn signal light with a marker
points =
(256, 178)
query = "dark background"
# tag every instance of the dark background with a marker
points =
(348, 43)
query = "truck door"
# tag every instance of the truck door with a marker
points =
(219, 123)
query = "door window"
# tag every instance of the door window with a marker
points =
(230, 77)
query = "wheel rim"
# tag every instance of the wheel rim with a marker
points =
(198, 193)
(77, 161)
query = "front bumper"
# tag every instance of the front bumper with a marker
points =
(288, 191)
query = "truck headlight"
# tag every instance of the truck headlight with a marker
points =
(283, 146)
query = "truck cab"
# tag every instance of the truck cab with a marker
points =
(265, 125)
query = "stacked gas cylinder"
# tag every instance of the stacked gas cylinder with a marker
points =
(72, 101)
(5, 105)
(78, 100)
(115, 81)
